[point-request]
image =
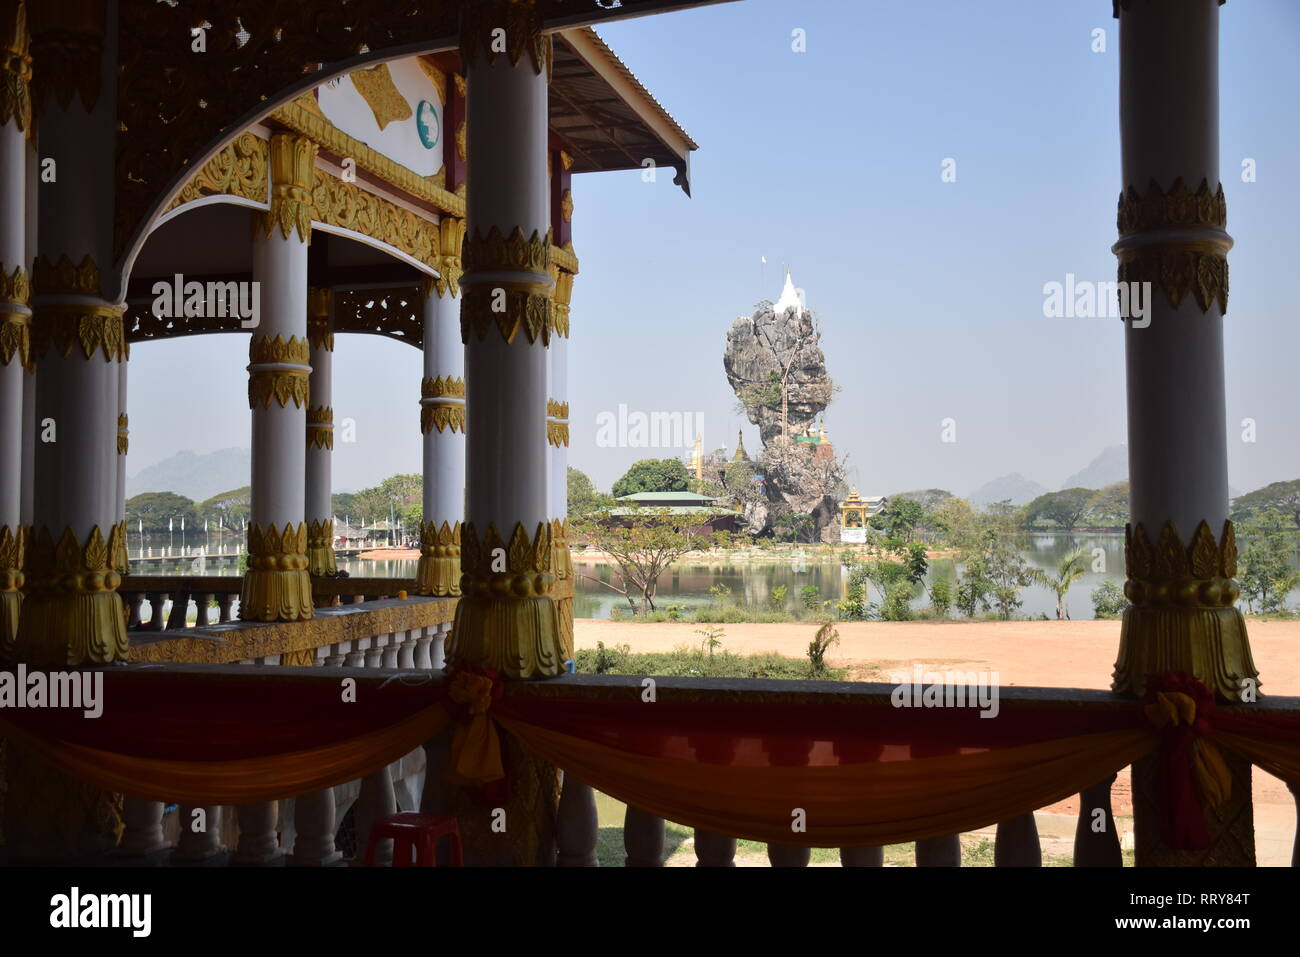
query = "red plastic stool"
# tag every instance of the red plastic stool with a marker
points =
(419, 831)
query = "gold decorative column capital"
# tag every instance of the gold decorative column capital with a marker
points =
(1176, 240)
(321, 560)
(277, 586)
(557, 422)
(489, 28)
(15, 66)
(506, 620)
(65, 326)
(320, 331)
(1183, 615)
(123, 434)
(438, 572)
(451, 240)
(13, 546)
(293, 165)
(442, 404)
(279, 370)
(15, 323)
(73, 614)
(320, 427)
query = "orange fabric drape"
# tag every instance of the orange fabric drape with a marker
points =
(238, 781)
(849, 805)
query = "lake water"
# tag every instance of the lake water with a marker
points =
(687, 584)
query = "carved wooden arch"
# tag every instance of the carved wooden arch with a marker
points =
(177, 107)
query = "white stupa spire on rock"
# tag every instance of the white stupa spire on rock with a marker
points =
(789, 297)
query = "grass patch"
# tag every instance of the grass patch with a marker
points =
(686, 662)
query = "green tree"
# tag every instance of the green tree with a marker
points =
(653, 475)
(811, 597)
(1068, 571)
(1108, 600)
(230, 508)
(994, 572)
(941, 596)
(1109, 506)
(1266, 573)
(1066, 508)
(643, 545)
(583, 496)
(899, 519)
(156, 509)
(344, 503)
(795, 527)
(1281, 496)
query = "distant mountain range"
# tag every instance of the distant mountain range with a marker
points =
(195, 476)
(1014, 487)
(1107, 468)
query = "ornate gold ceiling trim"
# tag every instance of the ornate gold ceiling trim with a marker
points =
(347, 206)
(238, 170)
(484, 25)
(333, 140)
(564, 257)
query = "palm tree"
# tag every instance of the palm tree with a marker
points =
(1068, 570)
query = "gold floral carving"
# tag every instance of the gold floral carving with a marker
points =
(13, 542)
(509, 307)
(314, 125)
(506, 620)
(566, 205)
(319, 331)
(442, 417)
(563, 560)
(65, 277)
(278, 385)
(321, 561)
(451, 240)
(462, 142)
(438, 573)
(1183, 616)
(377, 88)
(439, 387)
(557, 433)
(348, 206)
(293, 162)
(565, 257)
(485, 25)
(123, 434)
(320, 428)
(15, 327)
(1179, 269)
(514, 253)
(240, 169)
(15, 66)
(560, 301)
(72, 614)
(117, 549)
(1179, 208)
(64, 326)
(277, 586)
(67, 44)
(556, 409)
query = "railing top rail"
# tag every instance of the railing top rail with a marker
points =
(201, 584)
(237, 640)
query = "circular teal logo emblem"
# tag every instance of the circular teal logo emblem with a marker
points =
(426, 121)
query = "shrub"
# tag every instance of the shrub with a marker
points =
(1108, 600)
(826, 636)
(811, 597)
(776, 598)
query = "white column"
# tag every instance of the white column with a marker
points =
(506, 620)
(1172, 219)
(72, 613)
(15, 311)
(120, 561)
(277, 586)
(320, 436)
(557, 437)
(442, 423)
(1181, 553)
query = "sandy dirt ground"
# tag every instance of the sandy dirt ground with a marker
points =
(1069, 654)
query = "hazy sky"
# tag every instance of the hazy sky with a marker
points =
(929, 293)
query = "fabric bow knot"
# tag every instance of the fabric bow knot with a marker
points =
(1194, 774)
(475, 743)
